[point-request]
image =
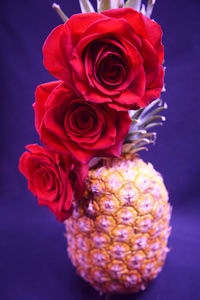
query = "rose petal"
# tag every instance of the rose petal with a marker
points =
(55, 54)
(151, 62)
(41, 94)
(154, 90)
(142, 25)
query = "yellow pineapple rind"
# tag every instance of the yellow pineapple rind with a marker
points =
(117, 235)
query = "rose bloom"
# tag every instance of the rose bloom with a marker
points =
(53, 179)
(68, 124)
(114, 57)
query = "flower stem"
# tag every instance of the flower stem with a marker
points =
(60, 12)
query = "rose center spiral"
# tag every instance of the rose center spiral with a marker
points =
(105, 63)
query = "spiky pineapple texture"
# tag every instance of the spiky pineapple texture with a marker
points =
(117, 235)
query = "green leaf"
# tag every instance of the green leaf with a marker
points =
(136, 4)
(151, 119)
(86, 6)
(134, 150)
(60, 12)
(149, 107)
(121, 3)
(143, 119)
(134, 114)
(149, 8)
(115, 3)
(109, 4)
(103, 5)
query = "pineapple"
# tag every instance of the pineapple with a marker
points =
(117, 235)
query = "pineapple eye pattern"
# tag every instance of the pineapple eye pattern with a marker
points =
(122, 245)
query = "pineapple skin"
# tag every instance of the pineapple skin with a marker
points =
(117, 235)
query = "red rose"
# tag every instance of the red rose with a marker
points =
(70, 125)
(52, 179)
(113, 57)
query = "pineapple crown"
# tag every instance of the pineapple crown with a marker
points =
(102, 5)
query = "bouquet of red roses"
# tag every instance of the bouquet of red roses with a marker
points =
(92, 121)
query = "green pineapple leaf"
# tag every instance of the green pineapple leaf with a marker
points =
(86, 6)
(149, 8)
(60, 12)
(109, 4)
(103, 5)
(142, 120)
(136, 4)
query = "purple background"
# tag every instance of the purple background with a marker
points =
(33, 260)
